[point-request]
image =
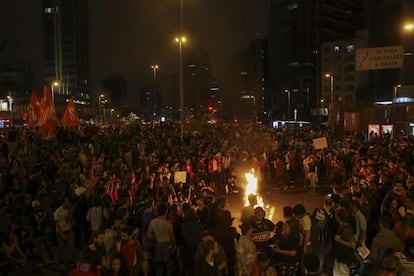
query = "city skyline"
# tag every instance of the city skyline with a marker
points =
(119, 47)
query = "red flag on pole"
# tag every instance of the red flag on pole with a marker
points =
(48, 120)
(46, 98)
(33, 110)
(70, 116)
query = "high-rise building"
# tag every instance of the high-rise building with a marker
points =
(215, 94)
(197, 77)
(296, 32)
(253, 79)
(338, 62)
(16, 80)
(66, 46)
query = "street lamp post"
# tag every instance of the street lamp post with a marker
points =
(10, 108)
(332, 116)
(99, 108)
(288, 94)
(54, 84)
(180, 41)
(155, 68)
(407, 30)
(254, 109)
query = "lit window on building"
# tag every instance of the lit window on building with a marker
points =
(3, 106)
(48, 10)
(292, 6)
(350, 48)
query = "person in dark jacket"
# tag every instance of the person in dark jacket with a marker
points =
(205, 265)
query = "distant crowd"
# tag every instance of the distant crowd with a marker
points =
(138, 200)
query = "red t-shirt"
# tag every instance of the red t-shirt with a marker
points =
(401, 233)
(133, 252)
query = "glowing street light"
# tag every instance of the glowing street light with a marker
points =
(181, 41)
(54, 84)
(409, 27)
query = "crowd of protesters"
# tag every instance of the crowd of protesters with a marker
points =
(105, 201)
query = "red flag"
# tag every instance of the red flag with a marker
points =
(46, 98)
(33, 110)
(70, 116)
(48, 120)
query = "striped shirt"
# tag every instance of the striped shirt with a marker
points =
(406, 264)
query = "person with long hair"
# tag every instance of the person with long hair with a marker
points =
(287, 249)
(206, 265)
(119, 266)
(404, 229)
(245, 252)
(390, 209)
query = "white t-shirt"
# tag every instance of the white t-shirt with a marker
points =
(305, 224)
(61, 217)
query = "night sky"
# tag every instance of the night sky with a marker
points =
(127, 36)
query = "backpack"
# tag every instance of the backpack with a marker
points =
(343, 253)
(321, 225)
